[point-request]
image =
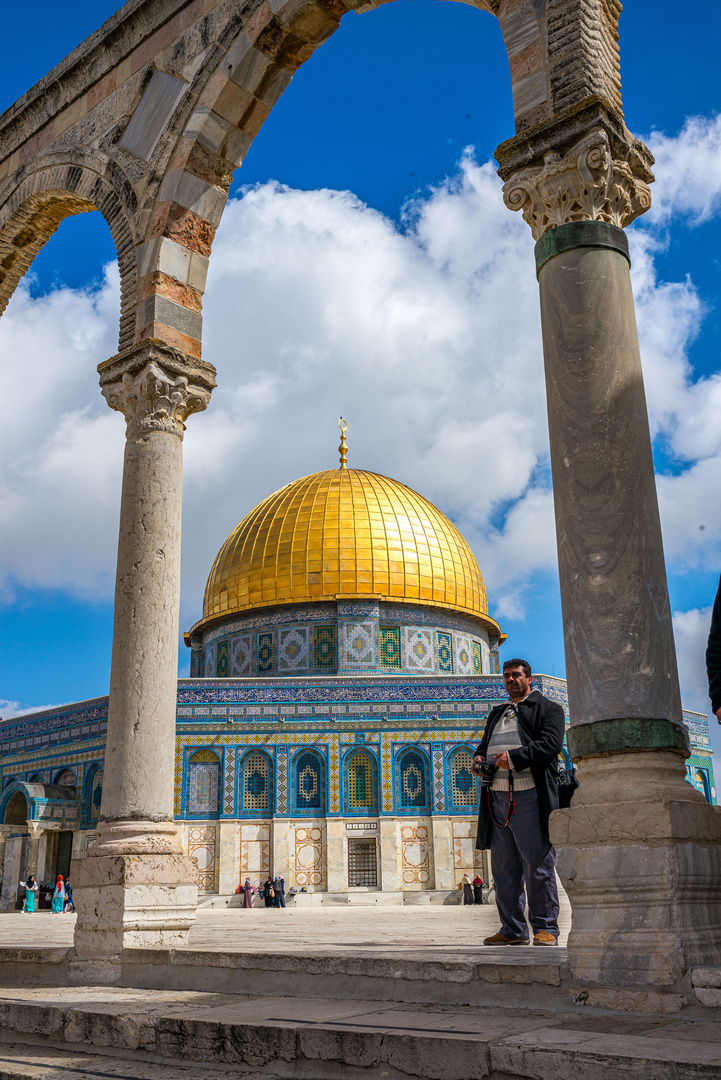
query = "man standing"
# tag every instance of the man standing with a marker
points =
(523, 739)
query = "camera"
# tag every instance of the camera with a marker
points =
(487, 770)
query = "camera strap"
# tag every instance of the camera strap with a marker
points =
(511, 803)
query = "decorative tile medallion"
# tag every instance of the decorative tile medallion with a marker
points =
(358, 645)
(464, 658)
(201, 847)
(293, 650)
(324, 652)
(444, 653)
(266, 653)
(241, 655)
(417, 648)
(391, 647)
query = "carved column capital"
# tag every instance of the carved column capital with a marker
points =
(585, 184)
(156, 388)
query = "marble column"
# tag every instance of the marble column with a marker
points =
(639, 849)
(136, 886)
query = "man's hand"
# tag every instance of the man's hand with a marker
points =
(503, 761)
(478, 761)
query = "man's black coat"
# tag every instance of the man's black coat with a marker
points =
(541, 726)
(713, 654)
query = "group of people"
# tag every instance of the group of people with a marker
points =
(472, 890)
(59, 896)
(271, 892)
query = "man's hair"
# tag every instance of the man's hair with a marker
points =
(518, 663)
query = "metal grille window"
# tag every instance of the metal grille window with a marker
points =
(308, 783)
(413, 785)
(256, 782)
(361, 783)
(463, 781)
(362, 867)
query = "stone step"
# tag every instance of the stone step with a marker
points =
(315, 1039)
(521, 976)
(30, 1062)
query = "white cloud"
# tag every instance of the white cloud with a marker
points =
(425, 337)
(690, 630)
(688, 171)
(9, 710)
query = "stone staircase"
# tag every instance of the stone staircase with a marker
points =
(213, 1015)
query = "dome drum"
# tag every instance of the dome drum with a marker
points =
(343, 572)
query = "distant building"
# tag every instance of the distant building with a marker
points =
(340, 679)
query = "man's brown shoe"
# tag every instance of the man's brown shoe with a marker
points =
(501, 939)
(544, 938)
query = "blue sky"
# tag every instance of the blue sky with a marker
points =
(366, 242)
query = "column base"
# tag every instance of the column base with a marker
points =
(129, 900)
(639, 854)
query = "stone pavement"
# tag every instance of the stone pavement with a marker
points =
(453, 933)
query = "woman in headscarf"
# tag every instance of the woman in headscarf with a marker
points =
(31, 887)
(248, 891)
(59, 895)
(467, 889)
(268, 891)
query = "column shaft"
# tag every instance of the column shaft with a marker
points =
(620, 653)
(143, 681)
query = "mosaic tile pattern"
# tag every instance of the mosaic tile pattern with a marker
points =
(324, 648)
(241, 655)
(466, 860)
(412, 782)
(265, 660)
(390, 647)
(439, 799)
(463, 781)
(310, 869)
(222, 660)
(281, 783)
(209, 665)
(202, 848)
(256, 780)
(463, 655)
(359, 648)
(477, 661)
(96, 795)
(418, 649)
(229, 780)
(254, 851)
(360, 786)
(293, 649)
(204, 783)
(444, 653)
(387, 771)
(485, 659)
(334, 777)
(415, 856)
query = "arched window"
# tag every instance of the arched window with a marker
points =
(412, 781)
(94, 793)
(256, 782)
(361, 793)
(203, 796)
(463, 780)
(309, 786)
(36, 778)
(66, 778)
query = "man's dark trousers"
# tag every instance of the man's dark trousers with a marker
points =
(520, 855)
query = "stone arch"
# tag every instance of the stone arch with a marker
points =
(39, 196)
(16, 810)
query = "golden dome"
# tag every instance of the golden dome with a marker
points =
(350, 534)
